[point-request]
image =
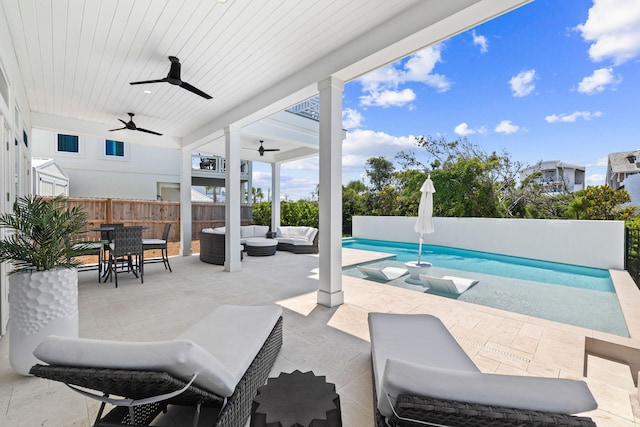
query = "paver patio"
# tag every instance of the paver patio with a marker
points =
(330, 341)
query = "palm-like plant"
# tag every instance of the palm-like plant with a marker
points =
(43, 231)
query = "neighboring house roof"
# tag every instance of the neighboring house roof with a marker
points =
(197, 196)
(48, 167)
(624, 162)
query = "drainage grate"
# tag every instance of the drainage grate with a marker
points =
(486, 347)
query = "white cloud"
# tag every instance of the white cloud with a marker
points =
(351, 118)
(361, 145)
(481, 41)
(507, 127)
(306, 164)
(571, 118)
(381, 86)
(596, 179)
(522, 84)
(603, 161)
(388, 98)
(613, 28)
(463, 129)
(598, 81)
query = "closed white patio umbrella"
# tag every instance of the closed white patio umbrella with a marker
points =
(424, 223)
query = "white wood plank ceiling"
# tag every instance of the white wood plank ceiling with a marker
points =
(77, 57)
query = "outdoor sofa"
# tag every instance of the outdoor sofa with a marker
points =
(218, 363)
(297, 239)
(212, 247)
(421, 376)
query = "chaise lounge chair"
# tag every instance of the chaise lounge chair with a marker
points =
(218, 363)
(384, 274)
(448, 284)
(422, 376)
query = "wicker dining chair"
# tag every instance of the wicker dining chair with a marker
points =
(159, 244)
(125, 252)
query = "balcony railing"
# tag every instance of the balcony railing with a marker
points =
(216, 164)
(309, 109)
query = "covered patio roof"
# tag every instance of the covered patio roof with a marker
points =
(255, 58)
(70, 64)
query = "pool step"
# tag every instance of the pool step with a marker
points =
(612, 385)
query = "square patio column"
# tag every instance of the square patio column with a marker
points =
(330, 292)
(275, 196)
(233, 198)
(185, 203)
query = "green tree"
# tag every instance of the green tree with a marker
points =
(468, 181)
(408, 184)
(354, 202)
(380, 172)
(256, 194)
(603, 203)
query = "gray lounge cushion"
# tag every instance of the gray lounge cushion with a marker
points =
(234, 334)
(415, 338)
(219, 348)
(180, 358)
(558, 395)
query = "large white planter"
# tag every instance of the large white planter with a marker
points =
(40, 304)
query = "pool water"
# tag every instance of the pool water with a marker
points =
(576, 295)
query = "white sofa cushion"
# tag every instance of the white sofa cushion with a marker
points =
(181, 358)
(235, 334)
(558, 395)
(296, 235)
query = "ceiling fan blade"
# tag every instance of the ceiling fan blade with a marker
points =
(271, 149)
(195, 90)
(148, 131)
(123, 122)
(111, 130)
(148, 81)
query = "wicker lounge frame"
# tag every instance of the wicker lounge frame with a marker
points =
(419, 411)
(300, 249)
(161, 389)
(212, 250)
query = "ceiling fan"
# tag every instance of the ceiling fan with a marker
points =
(174, 78)
(132, 126)
(261, 150)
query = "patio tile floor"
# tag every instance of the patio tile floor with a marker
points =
(330, 341)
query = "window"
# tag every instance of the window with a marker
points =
(68, 143)
(25, 139)
(114, 148)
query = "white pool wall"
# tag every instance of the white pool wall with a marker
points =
(597, 244)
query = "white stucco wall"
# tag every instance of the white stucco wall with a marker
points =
(92, 174)
(589, 243)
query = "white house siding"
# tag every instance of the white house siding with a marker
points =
(137, 175)
(589, 243)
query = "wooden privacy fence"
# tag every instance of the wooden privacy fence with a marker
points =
(153, 215)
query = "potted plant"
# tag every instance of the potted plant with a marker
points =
(43, 287)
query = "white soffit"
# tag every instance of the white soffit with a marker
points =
(255, 57)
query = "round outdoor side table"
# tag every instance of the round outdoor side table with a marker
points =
(296, 400)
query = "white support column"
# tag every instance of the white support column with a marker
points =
(330, 292)
(275, 196)
(233, 197)
(185, 204)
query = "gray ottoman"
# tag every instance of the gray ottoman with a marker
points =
(261, 247)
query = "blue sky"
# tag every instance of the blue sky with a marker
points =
(552, 80)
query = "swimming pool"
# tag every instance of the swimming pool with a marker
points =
(571, 294)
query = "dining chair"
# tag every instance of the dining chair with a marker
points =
(125, 252)
(106, 237)
(161, 245)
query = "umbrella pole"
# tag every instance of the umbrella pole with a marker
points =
(419, 250)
